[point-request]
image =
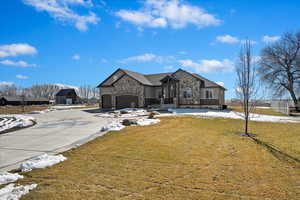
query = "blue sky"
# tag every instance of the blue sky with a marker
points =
(78, 42)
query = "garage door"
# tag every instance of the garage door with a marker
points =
(106, 101)
(126, 101)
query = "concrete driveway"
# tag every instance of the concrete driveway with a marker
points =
(54, 132)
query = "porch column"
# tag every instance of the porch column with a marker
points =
(113, 101)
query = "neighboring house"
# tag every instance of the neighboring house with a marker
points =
(66, 96)
(18, 100)
(180, 89)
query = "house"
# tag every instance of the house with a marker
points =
(18, 100)
(66, 96)
(180, 89)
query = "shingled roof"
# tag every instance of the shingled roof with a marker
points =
(65, 92)
(18, 98)
(153, 79)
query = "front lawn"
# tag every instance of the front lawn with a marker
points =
(263, 111)
(179, 158)
(21, 109)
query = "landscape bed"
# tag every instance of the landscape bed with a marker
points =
(178, 158)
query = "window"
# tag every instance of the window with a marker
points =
(208, 94)
(202, 84)
(187, 93)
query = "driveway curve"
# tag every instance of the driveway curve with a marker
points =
(54, 132)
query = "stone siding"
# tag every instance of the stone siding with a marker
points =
(125, 86)
(186, 80)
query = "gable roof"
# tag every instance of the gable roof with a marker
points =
(149, 79)
(156, 78)
(201, 77)
(153, 79)
(137, 76)
(65, 92)
(197, 76)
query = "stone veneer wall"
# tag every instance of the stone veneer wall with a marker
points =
(125, 86)
(188, 81)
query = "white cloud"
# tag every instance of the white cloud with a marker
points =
(269, 39)
(6, 84)
(19, 76)
(168, 13)
(220, 83)
(16, 63)
(16, 49)
(227, 39)
(60, 10)
(148, 57)
(208, 66)
(76, 57)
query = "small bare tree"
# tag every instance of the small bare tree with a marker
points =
(247, 86)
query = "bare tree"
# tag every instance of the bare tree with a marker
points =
(247, 86)
(85, 92)
(8, 89)
(280, 66)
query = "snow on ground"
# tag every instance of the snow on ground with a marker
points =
(12, 192)
(39, 111)
(6, 177)
(230, 114)
(15, 121)
(116, 125)
(147, 122)
(66, 107)
(125, 113)
(113, 126)
(41, 161)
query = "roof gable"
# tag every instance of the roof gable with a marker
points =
(197, 76)
(66, 92)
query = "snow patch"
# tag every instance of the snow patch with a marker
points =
(39, 111)
(41, 161)
(6, 177)
(113, 126)
(125, 113)
(147, 122)
(117, 125)
(67, 107)
(230, 114)
(15, 121)
(12, 192)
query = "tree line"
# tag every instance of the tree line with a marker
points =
(48, 91)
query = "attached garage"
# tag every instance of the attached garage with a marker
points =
(126, 101)
(106, 101)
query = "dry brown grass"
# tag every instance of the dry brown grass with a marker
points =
(180, 158)
(21, 109)
(258, 111)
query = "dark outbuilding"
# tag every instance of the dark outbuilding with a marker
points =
(17, 101)
(66, 96)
